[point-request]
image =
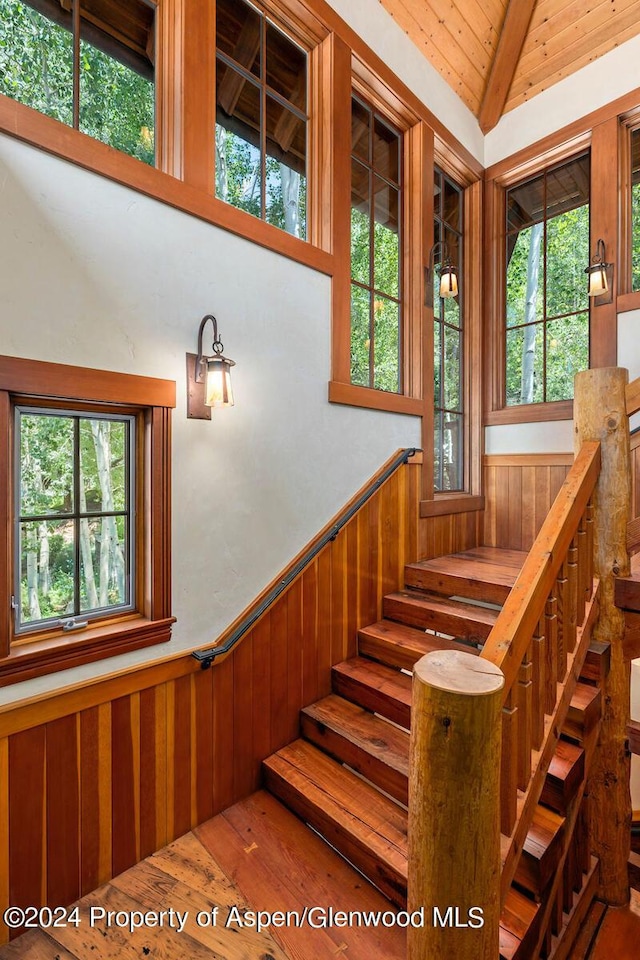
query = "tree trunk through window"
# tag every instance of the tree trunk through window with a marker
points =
(529, 339)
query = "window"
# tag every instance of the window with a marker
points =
(86, 63)
(547, 309)
(75, 490)
(85, 481)
(635, 209)
(376, 251)
(261, 117)
(448, 339)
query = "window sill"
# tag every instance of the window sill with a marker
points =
(39, 657)
(26, 124)
(444, 504)
(354, 396)
(531, 413)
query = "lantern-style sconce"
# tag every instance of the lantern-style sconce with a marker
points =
(448, 274)
(600, 276)
(208, 376)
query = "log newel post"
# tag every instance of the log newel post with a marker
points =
(454, 799)
(600, 414)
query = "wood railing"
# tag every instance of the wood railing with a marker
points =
(562, 599)
(539, 641)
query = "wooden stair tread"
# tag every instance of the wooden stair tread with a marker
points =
(541, 851)
(584, 711)
(486, 573)
(369, 829)
(564, 776)
(375, 748)
(432, 612)
(374, 686)
(401, 646)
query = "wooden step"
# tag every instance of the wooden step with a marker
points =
(375, 748)
(374, 686)
(565, 774)
(486, 573)
(597, 662)
(541, 852)
(430, 612)
(584, 712)
(519, 922)
(399, 646)
(369, 829)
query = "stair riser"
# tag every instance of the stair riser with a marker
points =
(390, 882)
(386, 778)
(451, 586)
(377, 701)
(411, 613)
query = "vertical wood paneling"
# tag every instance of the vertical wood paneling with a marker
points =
(63, 810)
(27, 813)
(115, 776)
(519, 491)
(4, 834)
(123, 791)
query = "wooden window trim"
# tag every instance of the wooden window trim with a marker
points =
(438, 503)
(415, 174)
(628, 299)
(527, 164)
(48, 651)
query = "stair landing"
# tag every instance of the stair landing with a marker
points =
(256, 856)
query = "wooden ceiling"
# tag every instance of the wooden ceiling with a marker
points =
(496, 54)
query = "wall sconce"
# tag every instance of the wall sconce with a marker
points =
(208, 377)
(448, 275)
(600, 276)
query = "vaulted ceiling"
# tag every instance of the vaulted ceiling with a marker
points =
(496, 54)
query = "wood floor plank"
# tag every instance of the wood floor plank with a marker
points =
(36, 945)
(296, 869)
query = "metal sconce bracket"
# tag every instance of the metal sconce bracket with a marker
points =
(196, 407)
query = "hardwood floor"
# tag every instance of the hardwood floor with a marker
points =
(619, 933)
(254, 856)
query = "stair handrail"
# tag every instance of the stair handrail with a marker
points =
(330, 532)
(632, 397)
(511, 634)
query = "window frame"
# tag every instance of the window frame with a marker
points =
(51, 385)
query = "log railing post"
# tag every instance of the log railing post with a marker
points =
(454, 789)
(600, 414)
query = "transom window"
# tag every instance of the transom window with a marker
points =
(448, 339)
(261, 117)
(376, 250)
(547, 309)
(75, 517)
(87, 63)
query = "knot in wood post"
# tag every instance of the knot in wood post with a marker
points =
(454, 797)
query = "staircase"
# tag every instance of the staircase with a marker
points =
(347, 776)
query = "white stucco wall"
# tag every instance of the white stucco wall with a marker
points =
(96, 275)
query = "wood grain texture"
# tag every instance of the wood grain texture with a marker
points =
(97, 777)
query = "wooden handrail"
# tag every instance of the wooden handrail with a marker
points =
(511, 635)
(632, 397)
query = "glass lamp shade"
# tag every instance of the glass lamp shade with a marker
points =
(448, 281)
(217, 390)
(598, 283)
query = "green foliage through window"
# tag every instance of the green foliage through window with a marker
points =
(261, 119)
(114, 99)
(74, 515)
(547, 309)
(376, 287)
(448, 441)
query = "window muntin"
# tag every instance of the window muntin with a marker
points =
(635, 209)
(261, 118)
(74, 516)
(448, 337)
(376, 251)
(100, 82)
(547, 309)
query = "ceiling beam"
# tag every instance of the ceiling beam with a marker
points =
(512, 37)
